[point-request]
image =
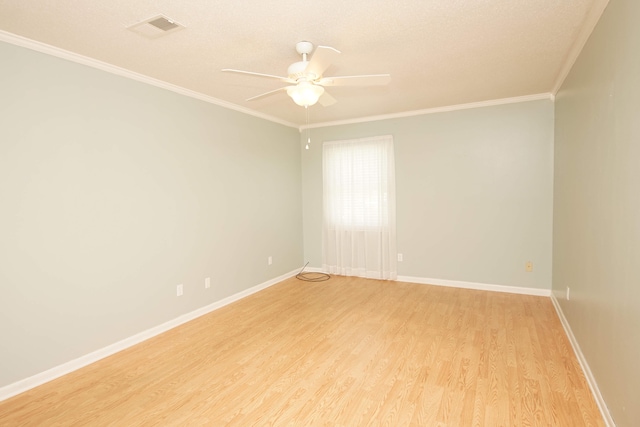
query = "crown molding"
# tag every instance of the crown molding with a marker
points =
(123, 72)
(589, 24)
(490, 103)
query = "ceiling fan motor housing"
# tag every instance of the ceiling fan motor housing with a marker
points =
(297, 71)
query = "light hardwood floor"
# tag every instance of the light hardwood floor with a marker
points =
(346, 352)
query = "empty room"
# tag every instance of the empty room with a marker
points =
(298, 213)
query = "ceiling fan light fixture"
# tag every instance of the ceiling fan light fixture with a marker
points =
(307, 78)
(305, 94)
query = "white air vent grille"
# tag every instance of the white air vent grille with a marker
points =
(155, 27)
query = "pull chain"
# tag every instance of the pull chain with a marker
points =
(308, 137)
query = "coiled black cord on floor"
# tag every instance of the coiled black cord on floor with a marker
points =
(312, 277)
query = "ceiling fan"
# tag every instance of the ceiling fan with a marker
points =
(307, 79)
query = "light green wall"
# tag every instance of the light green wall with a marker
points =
(474, 192)
(596, 247)
(112, 192)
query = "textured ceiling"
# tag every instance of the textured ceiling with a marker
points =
(438, 52)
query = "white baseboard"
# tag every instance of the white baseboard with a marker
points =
(68, 367)
(75, 364)
(604, 410)
(476, 286)
(464, 285)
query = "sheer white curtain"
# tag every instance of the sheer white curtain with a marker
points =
(359, 208)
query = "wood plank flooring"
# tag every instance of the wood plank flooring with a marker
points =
(346, 352)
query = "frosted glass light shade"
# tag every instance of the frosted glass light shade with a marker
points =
(305, 94)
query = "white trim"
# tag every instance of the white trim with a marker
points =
(476, 286)
(75, 364)
(457, 107)
(589, 24)
(461, 284)
(604, 410)
(123, 72)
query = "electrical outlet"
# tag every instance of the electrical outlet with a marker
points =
(207, 283)
(568, 290)
(400, 257)
(179, 290)
(270, 260)
(528, 267)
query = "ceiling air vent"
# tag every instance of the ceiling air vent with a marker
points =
(155, 27)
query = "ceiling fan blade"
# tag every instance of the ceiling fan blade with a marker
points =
(271, 92)
(363, 80)
(251, 73)
(321, 59)
(326, 100)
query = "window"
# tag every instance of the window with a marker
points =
(359, 207)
